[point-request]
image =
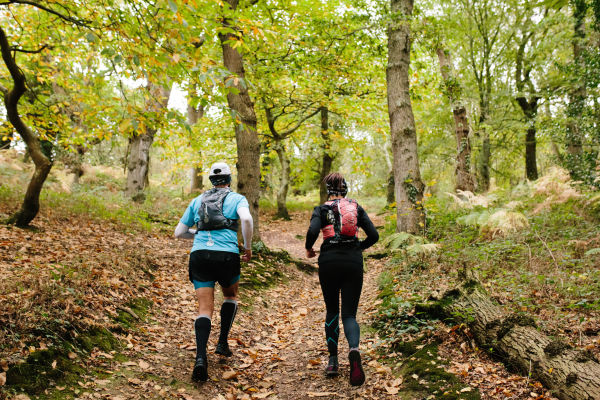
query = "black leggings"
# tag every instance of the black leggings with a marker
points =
(347, 278)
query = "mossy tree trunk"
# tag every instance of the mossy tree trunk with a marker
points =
(328, 157)
(407, 175)
(570, 374)
(43, 163)
(284, 181)
(464, 179)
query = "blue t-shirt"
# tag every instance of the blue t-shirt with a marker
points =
(221, 239)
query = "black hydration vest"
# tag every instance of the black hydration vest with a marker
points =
(211, 211)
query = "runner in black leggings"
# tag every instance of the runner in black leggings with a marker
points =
(340, 270)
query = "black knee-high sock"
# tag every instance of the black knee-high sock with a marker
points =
(352, 331)
(228, 311)
(202, 328)
(332, 333)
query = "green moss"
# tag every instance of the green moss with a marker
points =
(514, 320)
(556, 348)
(41, 369)
(98, 337)
(424, 376)
(139, 308)
(265, 268)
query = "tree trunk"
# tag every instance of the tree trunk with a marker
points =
(409, 187)
(193, 115)
(31, 203)
(578, 93)
(390, 196)
(464, 178)
(197, 180)
(246, 135)
(530, 109)
(569, 374)
(484, 161)
(284, 181)
(327, 159)
(138, 165)
(530, 154)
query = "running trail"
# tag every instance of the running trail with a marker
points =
(277, 339)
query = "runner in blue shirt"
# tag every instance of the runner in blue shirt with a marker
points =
(215, 257)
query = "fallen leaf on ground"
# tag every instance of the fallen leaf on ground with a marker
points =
(2, 378)
(320, 394)
(229, 375)
(262, 395)
(144, 365)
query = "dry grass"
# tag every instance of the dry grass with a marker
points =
(504, 223)
(555, 187)
(469, 200)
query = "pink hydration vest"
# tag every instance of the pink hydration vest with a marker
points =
(343, 215)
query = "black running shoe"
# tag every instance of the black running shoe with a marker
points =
(223, 349)
(332, 367)
(357, 375)
(200, 373)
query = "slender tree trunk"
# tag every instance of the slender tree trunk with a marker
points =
(578, 94)
(483, 183)
(194, 114)
(530, 109)
(246, 135)
(327, 159)
(530, 154)
(409, 187)
(31, 203)
(464, 178)
(284, 181)
(138, 165)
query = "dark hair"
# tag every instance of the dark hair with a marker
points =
(335, 184)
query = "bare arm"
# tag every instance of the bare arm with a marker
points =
(182, 231)
(247, 226)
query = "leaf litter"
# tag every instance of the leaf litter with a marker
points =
(277, 338)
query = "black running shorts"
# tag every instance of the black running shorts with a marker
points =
(207, 267)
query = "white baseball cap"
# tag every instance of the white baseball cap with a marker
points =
(219, 168)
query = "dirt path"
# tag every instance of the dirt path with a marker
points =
(278, 343)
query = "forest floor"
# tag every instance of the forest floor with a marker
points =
(277, 338)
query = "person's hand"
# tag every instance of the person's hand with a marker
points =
(310, 253)
(247, 255)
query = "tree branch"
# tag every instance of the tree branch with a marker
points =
(62, 16)
(30, 51)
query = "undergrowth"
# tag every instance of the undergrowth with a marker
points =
(540, 257)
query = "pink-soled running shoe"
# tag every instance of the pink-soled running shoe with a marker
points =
(357, 375)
